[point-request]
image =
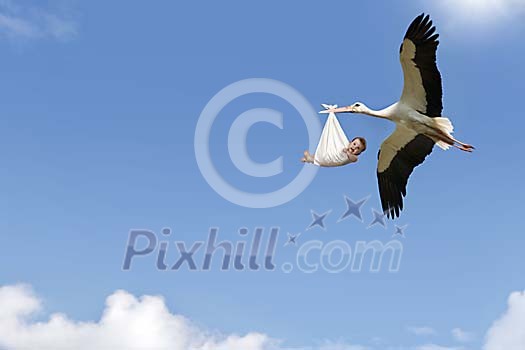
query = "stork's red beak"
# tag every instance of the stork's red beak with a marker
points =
(347, 109)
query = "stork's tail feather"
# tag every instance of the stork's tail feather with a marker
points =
(445, 126)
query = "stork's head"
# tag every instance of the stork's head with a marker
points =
(358, 107)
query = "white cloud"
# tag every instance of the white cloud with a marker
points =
(479, 12)
(462, 336)
(126, 323)
(423, 331)
(485, 7)
(29, 22)
(508, 333)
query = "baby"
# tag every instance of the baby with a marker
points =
(354, 148)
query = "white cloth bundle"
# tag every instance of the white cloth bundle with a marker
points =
(333, 140)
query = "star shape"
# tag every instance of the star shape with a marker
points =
(379, 218)
(400, 230)
(353, 208)
(292, 239)
(318, 220)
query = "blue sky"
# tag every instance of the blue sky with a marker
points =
(99, 104)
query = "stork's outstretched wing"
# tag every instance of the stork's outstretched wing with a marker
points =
(400, 153)
(422, 90)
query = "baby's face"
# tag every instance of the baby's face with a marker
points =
(356, 147)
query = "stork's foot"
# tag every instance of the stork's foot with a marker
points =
(459, 145)
(465, 147)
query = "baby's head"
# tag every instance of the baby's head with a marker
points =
(357, 145)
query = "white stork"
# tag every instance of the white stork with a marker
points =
(419, 124)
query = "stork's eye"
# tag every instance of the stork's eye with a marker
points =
(357, 105)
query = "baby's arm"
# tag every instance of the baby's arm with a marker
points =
(351, 157)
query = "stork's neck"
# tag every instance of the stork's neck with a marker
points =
(385, 113)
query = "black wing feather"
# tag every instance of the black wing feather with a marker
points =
(393, 180)
(421, 33)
